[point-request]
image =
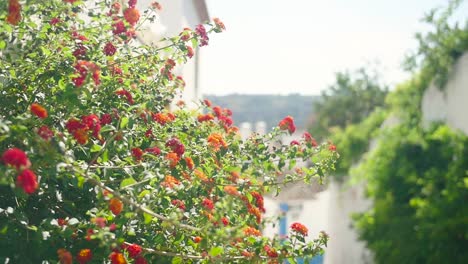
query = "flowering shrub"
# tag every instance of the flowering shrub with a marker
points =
(95, 167)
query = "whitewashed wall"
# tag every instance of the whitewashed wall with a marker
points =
(174, 17)
(451, 104)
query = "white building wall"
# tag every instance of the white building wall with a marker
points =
(451, 104)
(171, 20)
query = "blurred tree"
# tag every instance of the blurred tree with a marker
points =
(350, 100)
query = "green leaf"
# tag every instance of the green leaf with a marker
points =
(127, 182)
(177, 260)
(124, 122)
(216, 251)
(95, 148)
(2, 44)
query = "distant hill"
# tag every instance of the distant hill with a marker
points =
(268, 108)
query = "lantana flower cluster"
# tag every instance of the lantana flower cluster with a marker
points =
(124, 177)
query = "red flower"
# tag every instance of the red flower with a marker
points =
(106, 119)
(259, 201)
(99, 221)
(38, 110)
(127, 94)
(176, 146)
(137, 153)
(117, 258)
(65, 257)
(62, 222)
(17, 158)
(14, 12)
(80, 52)
(201, 31)
(225, 221)
(81, 135)
(156, 5)
(140, 260)
(131, 15)
(299, 228)
(294, 142)
(179, 204)
(208, 204)
(332, 147)
(190, 52)
(271, 252)
(28, 181)
(153, 150)
(119, 27)
(115, 7)
(309, 139)
(55, 21)
(207, 102)
(197, 239)
(218, 111)
(84, 256)
(132, 3)
(134, 250)
(115, 205)
(287, 124)
(109, 49)
(45, 133)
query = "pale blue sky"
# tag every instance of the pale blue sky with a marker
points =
(296, 46)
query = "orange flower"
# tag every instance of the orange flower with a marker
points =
(170, 181)
(81, 135)
(200, 175)
(132, 15)
(14, 12)
(65, 257)
(38, 110)
(204, 118)
(84, 256)
(250, 231)
(234, 176)
(162, 118)
(173, 159)
(116, 206)
(189, 162)
(216, 141)
(197, 239)
(117, 258)
(231, 190)
(219, 24)
(247, 254)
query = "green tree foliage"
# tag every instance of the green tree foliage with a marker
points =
(350, 100)
(439, 48)
(354, 140)
(418, 182)
(417, 177)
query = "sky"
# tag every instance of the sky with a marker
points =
(297, 46)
